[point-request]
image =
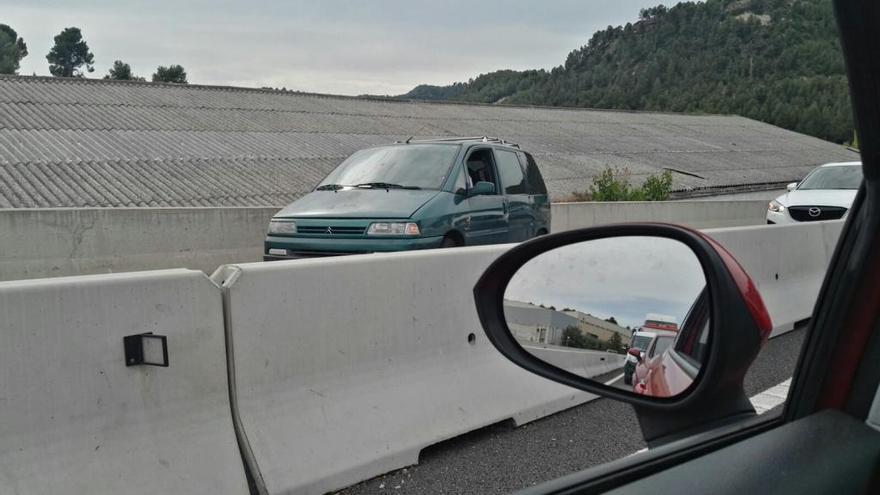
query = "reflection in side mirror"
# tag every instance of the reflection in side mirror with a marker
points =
(481, 188)
(630, 312)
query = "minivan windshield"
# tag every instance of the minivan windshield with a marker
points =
(413, 166)
(837, 177)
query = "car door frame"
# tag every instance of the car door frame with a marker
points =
(487, 218)
(520, 215)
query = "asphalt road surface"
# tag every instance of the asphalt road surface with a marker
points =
(501, 459)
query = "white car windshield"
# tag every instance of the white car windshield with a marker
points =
(841, 177)
(641, 342)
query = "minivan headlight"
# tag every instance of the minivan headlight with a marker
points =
(775, 207)
(282, 226)
(393, 228)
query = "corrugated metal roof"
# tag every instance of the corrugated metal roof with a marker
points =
(76, 142)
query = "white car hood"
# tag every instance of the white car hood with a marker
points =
(818, 197)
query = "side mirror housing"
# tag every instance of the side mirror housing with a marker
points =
(792, 186)
(736, 327)
(635, 353)
(481, 188)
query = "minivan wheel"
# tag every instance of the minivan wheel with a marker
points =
(448, 242)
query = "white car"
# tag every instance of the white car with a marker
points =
(826, 193)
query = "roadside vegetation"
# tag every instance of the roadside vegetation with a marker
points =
(573, 337)
(70, 56)
(613, 184)
(777, 61)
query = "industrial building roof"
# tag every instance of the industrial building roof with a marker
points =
(86, 142)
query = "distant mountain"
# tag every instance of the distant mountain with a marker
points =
(778, 61)
(429, 92)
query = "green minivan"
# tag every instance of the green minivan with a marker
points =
(416, 195)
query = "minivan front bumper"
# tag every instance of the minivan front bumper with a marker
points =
(286, 248)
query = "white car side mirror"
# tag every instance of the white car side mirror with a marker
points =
(792, 186)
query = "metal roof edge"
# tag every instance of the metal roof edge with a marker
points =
(375, 98)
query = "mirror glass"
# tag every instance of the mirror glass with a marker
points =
(629, 312)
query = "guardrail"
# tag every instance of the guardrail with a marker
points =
(39, 243)
(341, 369)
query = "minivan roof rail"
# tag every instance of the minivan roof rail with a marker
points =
(485, 139)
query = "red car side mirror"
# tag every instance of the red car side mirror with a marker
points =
(528, 278)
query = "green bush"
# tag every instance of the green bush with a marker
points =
(612, 184)
(658, 187)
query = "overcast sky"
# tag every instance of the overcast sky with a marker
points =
(623, 277)
(326, 46)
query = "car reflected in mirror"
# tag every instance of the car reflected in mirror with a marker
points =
(631, 312)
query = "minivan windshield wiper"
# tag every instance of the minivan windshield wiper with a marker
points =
(385, 185)
(330, 187)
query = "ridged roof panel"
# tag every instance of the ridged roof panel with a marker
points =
(74, 142)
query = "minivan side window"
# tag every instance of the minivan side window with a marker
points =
(512, 179)
(479, 167)
(534, 181)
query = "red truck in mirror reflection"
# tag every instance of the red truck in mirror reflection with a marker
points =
(642, 340)
(672, 361)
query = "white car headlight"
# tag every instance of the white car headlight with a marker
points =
(775, 207)
(393, 228)
(282, 226)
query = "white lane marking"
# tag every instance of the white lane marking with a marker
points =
(618, 377)
(771, 397)
(762, 402)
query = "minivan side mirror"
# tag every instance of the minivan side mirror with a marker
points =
(664, 279)
(482, 187)
(792, 186)
(635, 353)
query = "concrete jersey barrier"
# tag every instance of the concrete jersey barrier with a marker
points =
(581, 362)
(342, 368)
(694, 214)
(78, 241)
(346, 369)
(786, 262)
(380, 343)
(76, 420)
(39, 243)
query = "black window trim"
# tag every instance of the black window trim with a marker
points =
(532, 189)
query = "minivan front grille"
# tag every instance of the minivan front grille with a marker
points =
(816, 213)
(329, 230)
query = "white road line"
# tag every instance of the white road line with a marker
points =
(762, 402)
(618, 377)
(771, 397)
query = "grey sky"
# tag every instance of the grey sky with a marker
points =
(326, 46)
(623, 277)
